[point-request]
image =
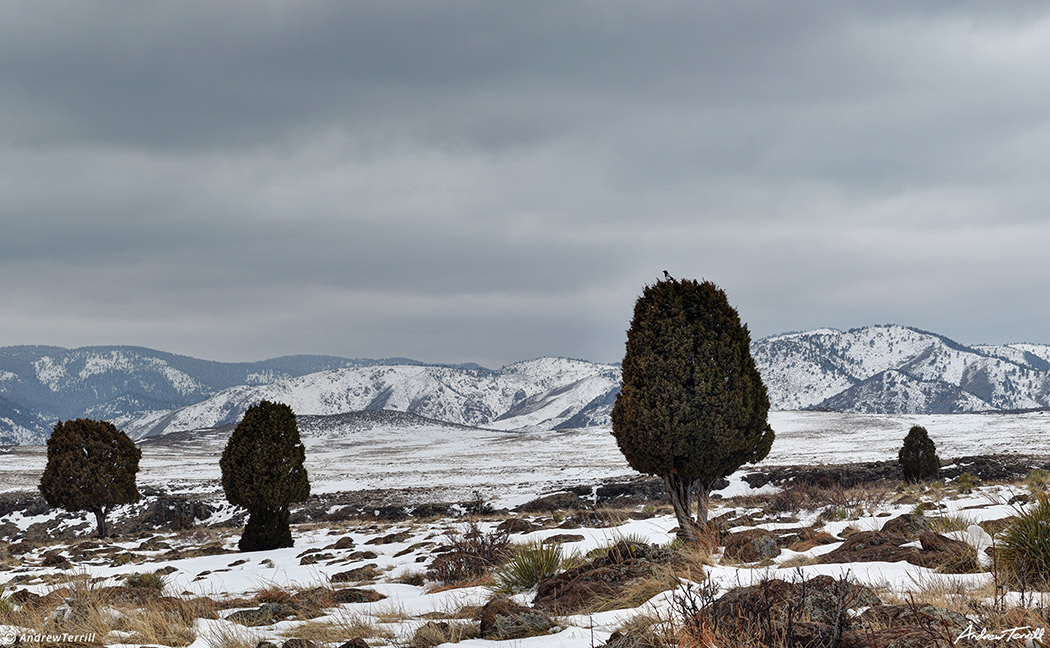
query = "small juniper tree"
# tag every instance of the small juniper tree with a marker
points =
(918, 456)
(263, 470)
(91, 466)
(693, 407)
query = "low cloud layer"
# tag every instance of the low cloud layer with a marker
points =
(474, 181)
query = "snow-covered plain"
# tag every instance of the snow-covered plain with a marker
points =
(445, 462)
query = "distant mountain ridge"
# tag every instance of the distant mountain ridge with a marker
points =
(875, 369)
(893, 369)
(149, 392)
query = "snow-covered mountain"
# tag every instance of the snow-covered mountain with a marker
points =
(895, 369)
(542, 393)
(40, 385)
(150, 392)
(877, 369)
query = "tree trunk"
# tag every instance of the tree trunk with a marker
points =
(680, 491)
(100, 522)
(267, 528)
(703, 502)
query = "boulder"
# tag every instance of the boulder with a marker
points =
(821, 600)
(503, 619)
(366, 572)
(549, 503)
(750, 546)
(577, 590)
(814, 614)
(947, 555)
(516, 525)
(907, 526)
(562, 538)
(874, 546)
(265, 614)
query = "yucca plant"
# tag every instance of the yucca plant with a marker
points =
(1024, 549)
(529, 564)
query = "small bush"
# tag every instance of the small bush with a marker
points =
(918, 456)
(149, 580)
(469, 555)
(529, 564)
(1024, 550)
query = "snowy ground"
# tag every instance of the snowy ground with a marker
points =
(439, 462)
(445, 460)
(406, 607)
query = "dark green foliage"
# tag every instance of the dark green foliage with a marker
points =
(918, 457)
(263, 470)
(693, 406)
(91, 466)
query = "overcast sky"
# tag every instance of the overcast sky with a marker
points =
(496, 181)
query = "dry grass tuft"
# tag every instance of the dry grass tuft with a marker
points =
(338, 629)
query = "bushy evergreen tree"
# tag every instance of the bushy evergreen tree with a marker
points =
(918, 456)
(263, 470)
(693, 406)
(91, 466)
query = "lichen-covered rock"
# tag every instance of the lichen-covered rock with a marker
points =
(265, 614)
(908, 526)
(750, 546)
(503, 619)
(577, 590)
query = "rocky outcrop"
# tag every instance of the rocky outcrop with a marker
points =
(577, 590)
(503, 619)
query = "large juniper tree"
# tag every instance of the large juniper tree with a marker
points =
(263, 471)
(918, 456)
(693, 407)
(91, 466)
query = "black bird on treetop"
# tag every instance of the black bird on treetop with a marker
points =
(668, 276)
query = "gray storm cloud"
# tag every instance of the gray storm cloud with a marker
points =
(487, 182)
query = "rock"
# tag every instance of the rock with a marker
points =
(907, 526)
(548, 503)
(355, 643)
(822, 600)
(503, 619)
(904, 626)
(315, 558)
(54, 558)
(936, 552)
(516, 525)
(300, 643)
(750, 546)
(947, 555)
(806, 539)
(265, 614)
(367, 572)
(576, 590)
(389, 539)
(363, 555)
(357, 595)
(174, 512)
(562, 538)
(872, 546)
(346, 542)
(266, 644)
